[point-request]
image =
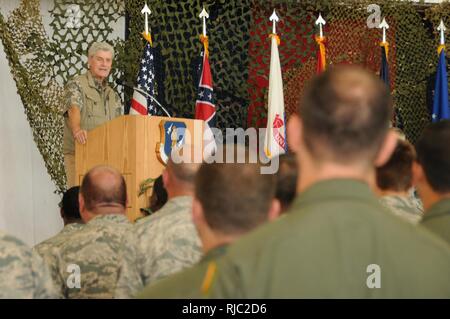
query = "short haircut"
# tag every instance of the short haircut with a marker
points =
(183, 172)
(103, 186)
(433, 154)
(100, 46)
(286, 180)
(345, 113)
(235, 197)
(69, 203)
(396, 174)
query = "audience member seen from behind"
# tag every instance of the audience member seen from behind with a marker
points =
(95, 251)
(165, 242)
(395, 183)
(23, 273)
(231, 199)
(158, 198)
(70, 214)
(336, 234)
(432, 174)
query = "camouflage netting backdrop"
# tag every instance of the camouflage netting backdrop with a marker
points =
(239, 55)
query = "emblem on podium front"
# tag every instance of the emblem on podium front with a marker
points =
(172, 137)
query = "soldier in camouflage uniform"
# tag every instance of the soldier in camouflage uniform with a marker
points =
(250, 198)
(165, 242)
(395, 182)
(70, 213)
(23, 273)
(432, 172)
(89, 102)
(95, 251)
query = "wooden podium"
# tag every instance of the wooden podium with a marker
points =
(131, 144)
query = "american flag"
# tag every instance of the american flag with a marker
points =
(204, 106)
(141, 104)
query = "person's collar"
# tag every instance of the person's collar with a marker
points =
(115, 218)
(439, 208)
(215, 252)
(338, 188)
(95, 83)
(185, 199)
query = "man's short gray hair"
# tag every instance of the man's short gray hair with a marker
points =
(100, 46)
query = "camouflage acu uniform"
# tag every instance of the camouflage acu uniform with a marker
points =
(403, 207)
(23, 273)
(163, 244)
(190, 283)
(98, 104)
(97, 250)
(46, 248)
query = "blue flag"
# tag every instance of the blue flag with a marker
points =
(440, 102)
(384, 70)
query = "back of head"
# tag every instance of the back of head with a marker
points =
(396, 174)
(103, 188)
(69, 204)
(433, 154)
(183, 173)
(286, 180)
(345, 113)
(235, 197)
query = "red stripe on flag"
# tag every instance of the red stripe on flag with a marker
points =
(206, 75)
(138, 107)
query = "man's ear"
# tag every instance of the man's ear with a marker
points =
(165, 177)
(387, 148)
(418, 175)
(89, 62)
(82, 205)
(274, 210)
(295, 131)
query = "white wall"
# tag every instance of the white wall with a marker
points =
(28, 206)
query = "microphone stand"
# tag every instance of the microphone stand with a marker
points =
(123, 83)
(152, 98)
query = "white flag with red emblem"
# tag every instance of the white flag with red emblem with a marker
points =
(275, 141)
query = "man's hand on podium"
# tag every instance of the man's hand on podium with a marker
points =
(80, 136)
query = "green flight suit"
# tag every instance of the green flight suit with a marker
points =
(186, 284)
(437, 219)
(336, 241)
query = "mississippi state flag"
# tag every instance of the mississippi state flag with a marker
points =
(204, 106)
(140, 103)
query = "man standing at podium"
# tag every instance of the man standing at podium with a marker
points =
(88, 102)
